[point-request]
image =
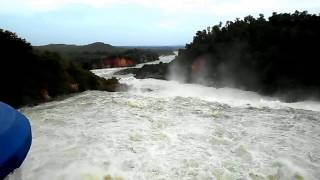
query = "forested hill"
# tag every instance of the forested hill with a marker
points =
(101, 55)
(29, 77)
(90, 48)
(275, 56)
(107, 48)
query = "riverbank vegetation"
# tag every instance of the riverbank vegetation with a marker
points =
(277, 56)
(29, 76)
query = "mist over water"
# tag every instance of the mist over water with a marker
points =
(169, 130)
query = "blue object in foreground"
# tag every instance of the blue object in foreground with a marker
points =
(15, 139)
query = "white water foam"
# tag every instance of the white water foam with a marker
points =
(167, 130)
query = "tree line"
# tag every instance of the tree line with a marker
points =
(92, 56)
(275, 56)
(29, 76)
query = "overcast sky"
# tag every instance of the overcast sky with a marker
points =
(130, 22)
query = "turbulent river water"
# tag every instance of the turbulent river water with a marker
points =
(168, 130)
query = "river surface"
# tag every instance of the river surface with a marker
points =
(168, 130)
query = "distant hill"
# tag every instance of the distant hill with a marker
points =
(90, 48)
(101, 55)
(104, 48)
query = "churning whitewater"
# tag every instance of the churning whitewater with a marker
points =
(168, 130)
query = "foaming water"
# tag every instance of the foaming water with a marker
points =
(230, 96)
(167, 130)
(107, 73)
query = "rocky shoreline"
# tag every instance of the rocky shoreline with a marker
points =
(156, 71)
(109, 85)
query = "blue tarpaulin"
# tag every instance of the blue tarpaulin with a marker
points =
(15, 139)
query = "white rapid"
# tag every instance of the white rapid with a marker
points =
(167, 130)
